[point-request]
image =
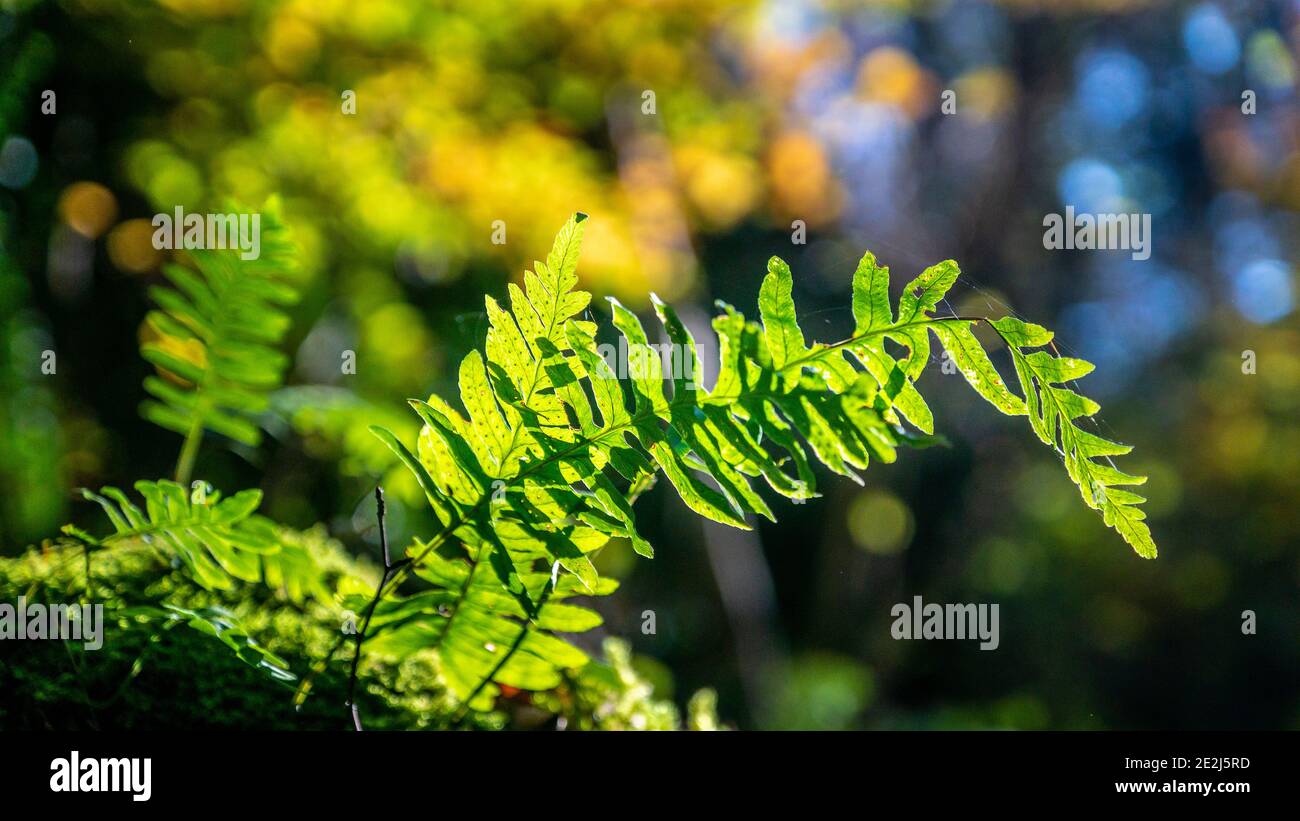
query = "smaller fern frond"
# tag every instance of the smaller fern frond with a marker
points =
(218, 540)
(216, 329)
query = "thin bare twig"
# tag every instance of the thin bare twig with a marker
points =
(389, 569)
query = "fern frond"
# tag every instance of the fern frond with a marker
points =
(549, 435)
(530, 476)
(218, 327)
(217, 539)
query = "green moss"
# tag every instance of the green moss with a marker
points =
(155, 674)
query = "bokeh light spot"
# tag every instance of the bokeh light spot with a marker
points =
(18, 162)
(880, 522)
(88, 207)
(1210, 40)
(1263, 291)
(130, 247)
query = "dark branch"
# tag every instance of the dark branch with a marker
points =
(389, 570)
(380, 512)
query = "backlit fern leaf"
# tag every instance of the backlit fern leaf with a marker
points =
(529, 476)
(217, 330)
(218, 540)
(482, 632)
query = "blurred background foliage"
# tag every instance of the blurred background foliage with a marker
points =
(695, 133)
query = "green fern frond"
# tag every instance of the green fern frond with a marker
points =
(533, 475)
(217, 539)
(549, 425)
(218, 328)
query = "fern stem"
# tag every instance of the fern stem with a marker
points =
(810, 357)
(189, 452)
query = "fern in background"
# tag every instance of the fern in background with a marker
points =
(218, 327)
(218, 540)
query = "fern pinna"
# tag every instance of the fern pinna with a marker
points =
(218, 540)
(528, 481)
